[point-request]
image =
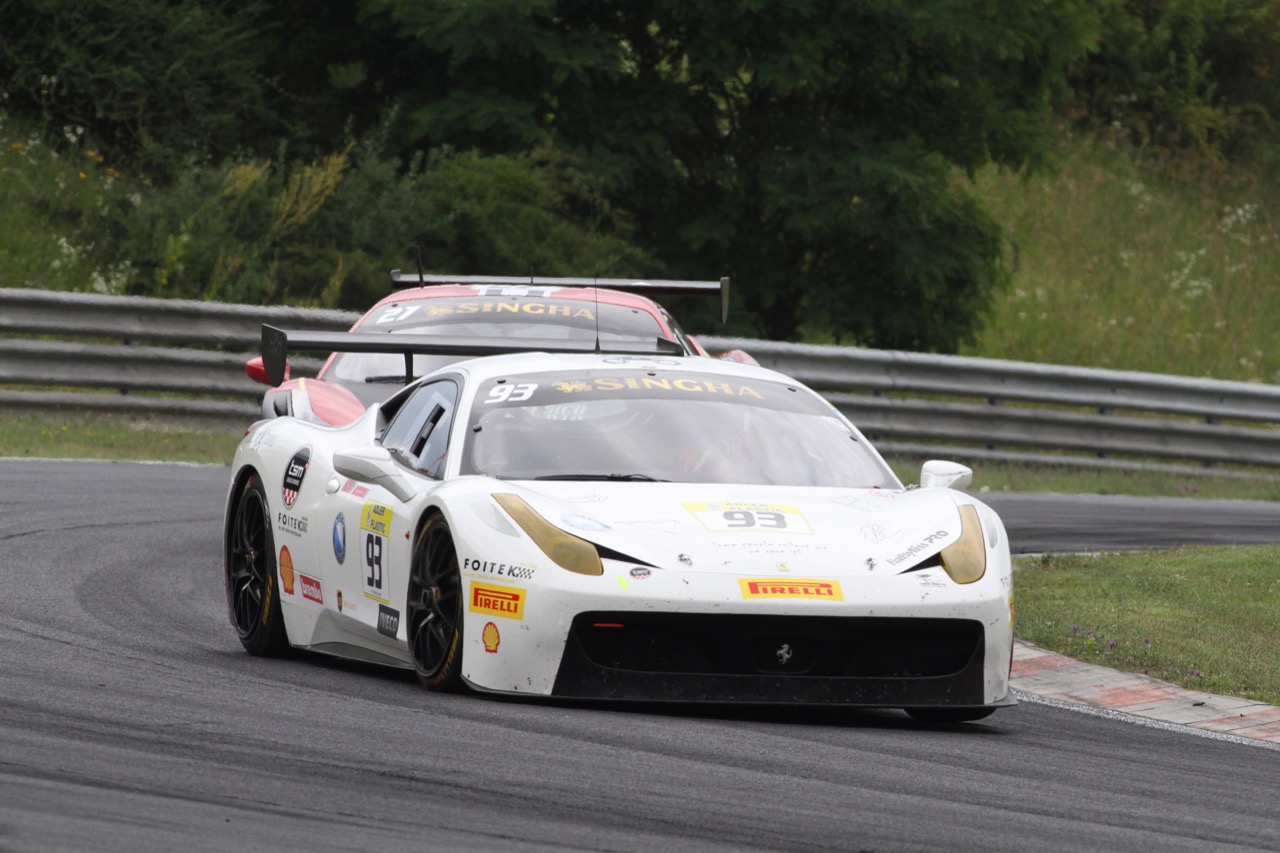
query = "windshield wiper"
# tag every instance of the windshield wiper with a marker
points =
(638, 478)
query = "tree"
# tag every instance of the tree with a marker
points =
(811, 149)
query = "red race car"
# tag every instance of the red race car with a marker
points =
(481, 308)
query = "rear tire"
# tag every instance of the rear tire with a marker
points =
(435, 608)
(253, 594)
(948, 715)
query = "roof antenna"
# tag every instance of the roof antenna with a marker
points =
(417, 251)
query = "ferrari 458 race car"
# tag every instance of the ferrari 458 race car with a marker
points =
(490, 308)
(621, 523)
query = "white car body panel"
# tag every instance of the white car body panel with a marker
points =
(689, 548)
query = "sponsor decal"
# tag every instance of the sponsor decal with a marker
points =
(293, 474)
(294, 525)
(340, 538)
(686, 384)
(497, 601)
(263, 437)
(578, 521)
(397, 313)
(920, 547)
(351, 487)
(640, 573)
(286, 569)
(311, 588)
(749, 517)
(491, 638)
(375, 528)
(376, 518)
(388, 621)
(790, 588)
(520, 571)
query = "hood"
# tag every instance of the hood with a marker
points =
(751, 529)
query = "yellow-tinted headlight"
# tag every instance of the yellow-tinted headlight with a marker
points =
(965, 560)
(564, 549)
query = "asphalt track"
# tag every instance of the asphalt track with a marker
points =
(130, 719)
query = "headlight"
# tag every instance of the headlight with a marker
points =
(965, 560)
(564, 549)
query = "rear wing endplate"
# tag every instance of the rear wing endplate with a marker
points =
(644, 287)
(277, 343)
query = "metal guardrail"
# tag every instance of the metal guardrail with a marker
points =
(181, 358)
(107, 344)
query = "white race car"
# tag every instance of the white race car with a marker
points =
(632, 525)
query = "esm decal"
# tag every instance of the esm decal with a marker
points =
(293, 474)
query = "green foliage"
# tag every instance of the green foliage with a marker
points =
(1120, 267)
(150, 83)
(321, 232)
(803, 148)
(1192, 81)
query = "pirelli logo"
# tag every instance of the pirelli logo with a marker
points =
(497, 600)
(791, 588)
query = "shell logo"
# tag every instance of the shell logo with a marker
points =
(491, 638)
(286, 570)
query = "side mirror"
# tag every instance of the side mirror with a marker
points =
(375, 466)
(257, 371)
(938, 474)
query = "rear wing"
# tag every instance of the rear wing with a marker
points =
(276, 344)
(644, 287)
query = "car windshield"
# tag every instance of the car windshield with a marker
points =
(482, 318)
(675, 426)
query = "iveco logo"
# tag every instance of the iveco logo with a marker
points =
(784, 653)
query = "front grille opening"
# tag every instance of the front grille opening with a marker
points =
(804, 646)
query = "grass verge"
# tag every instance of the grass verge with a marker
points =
(103, 436)
(1200, 617)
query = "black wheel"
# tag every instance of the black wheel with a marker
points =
(435, 608)
(949, 715)
(253, 595)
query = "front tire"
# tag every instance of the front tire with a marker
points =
(435, 608)
(253, 596)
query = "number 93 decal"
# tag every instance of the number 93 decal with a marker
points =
(511, 393)
(736, 517)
